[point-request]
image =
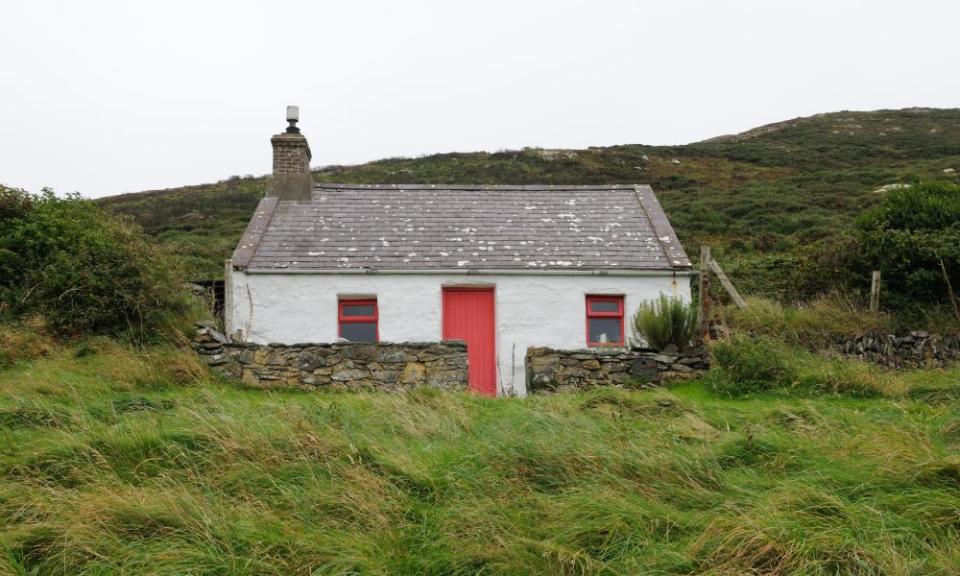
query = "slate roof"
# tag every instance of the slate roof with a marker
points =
(399, 227)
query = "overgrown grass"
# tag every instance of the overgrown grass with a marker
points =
(813, 325)
(122, 460)
(746, 365)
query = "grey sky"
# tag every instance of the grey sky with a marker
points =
(107, 97)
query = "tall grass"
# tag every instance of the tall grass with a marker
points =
(751, 364)
(813, 325)
(122, 460)
(667, 321)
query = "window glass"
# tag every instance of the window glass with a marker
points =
(604, 306)
(358, 309)
(604, 330)
(359, 331)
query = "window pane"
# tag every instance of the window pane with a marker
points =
(605, 330)
(359, 331)
(604, 306)
(358, 309)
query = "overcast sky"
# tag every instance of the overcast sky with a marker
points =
(109, 97)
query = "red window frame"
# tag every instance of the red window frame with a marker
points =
(617, 314)
(342, 319)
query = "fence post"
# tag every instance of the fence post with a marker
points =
(705, 292)
(727, 284)
(875, 292)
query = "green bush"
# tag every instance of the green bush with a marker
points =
(81, 269)
(911, 237)
(667, 321)
(746, 365)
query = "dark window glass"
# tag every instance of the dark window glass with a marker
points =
(358, 309)
(605, 330)
(359, 331)
(604, 306)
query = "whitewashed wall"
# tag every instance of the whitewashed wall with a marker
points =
(530, 310)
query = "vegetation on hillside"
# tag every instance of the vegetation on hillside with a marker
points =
(79, 268)
(117, 460)
(913, 238)
(770, 200)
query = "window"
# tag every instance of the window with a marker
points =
(605, 320)
(358, 320)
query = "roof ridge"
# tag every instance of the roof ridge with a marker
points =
(416, 186)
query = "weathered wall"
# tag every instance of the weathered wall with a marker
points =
(918, 348)
(342, 365)
(531, 310)
(549, 369)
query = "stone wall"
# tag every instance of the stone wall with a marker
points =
(918, 348)
(340, 366)
(549, 369)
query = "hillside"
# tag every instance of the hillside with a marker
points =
(758, 196)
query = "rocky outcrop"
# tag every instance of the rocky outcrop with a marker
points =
(549, 369)
(347, 365)
(918, 348)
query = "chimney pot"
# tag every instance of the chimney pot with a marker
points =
(293, 116)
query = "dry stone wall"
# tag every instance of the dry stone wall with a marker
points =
(918, 348)
(345, 365)
(549, 369)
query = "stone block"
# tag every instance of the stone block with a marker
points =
(310, 360)
(250, 378)
(347, 374)
(361, 353)
(447, 379)
(245, 356)
(391, 355)
(413, 373)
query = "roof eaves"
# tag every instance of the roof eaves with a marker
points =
(666, 237)
(250, 240)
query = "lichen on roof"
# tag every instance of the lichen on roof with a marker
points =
(353, 227)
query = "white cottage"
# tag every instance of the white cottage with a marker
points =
(501, 267)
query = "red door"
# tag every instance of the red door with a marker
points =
(468, 315)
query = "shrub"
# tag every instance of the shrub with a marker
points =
(746, 365)
(667, 321)
(83, 270)
(911, 237)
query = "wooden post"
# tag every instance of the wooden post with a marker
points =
(953, 297)
(875, 292)
(727, 284)
(705, 293)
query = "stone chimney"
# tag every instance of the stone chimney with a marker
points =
(291, 178)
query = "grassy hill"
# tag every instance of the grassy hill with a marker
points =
(757, 196)
(121, 460)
